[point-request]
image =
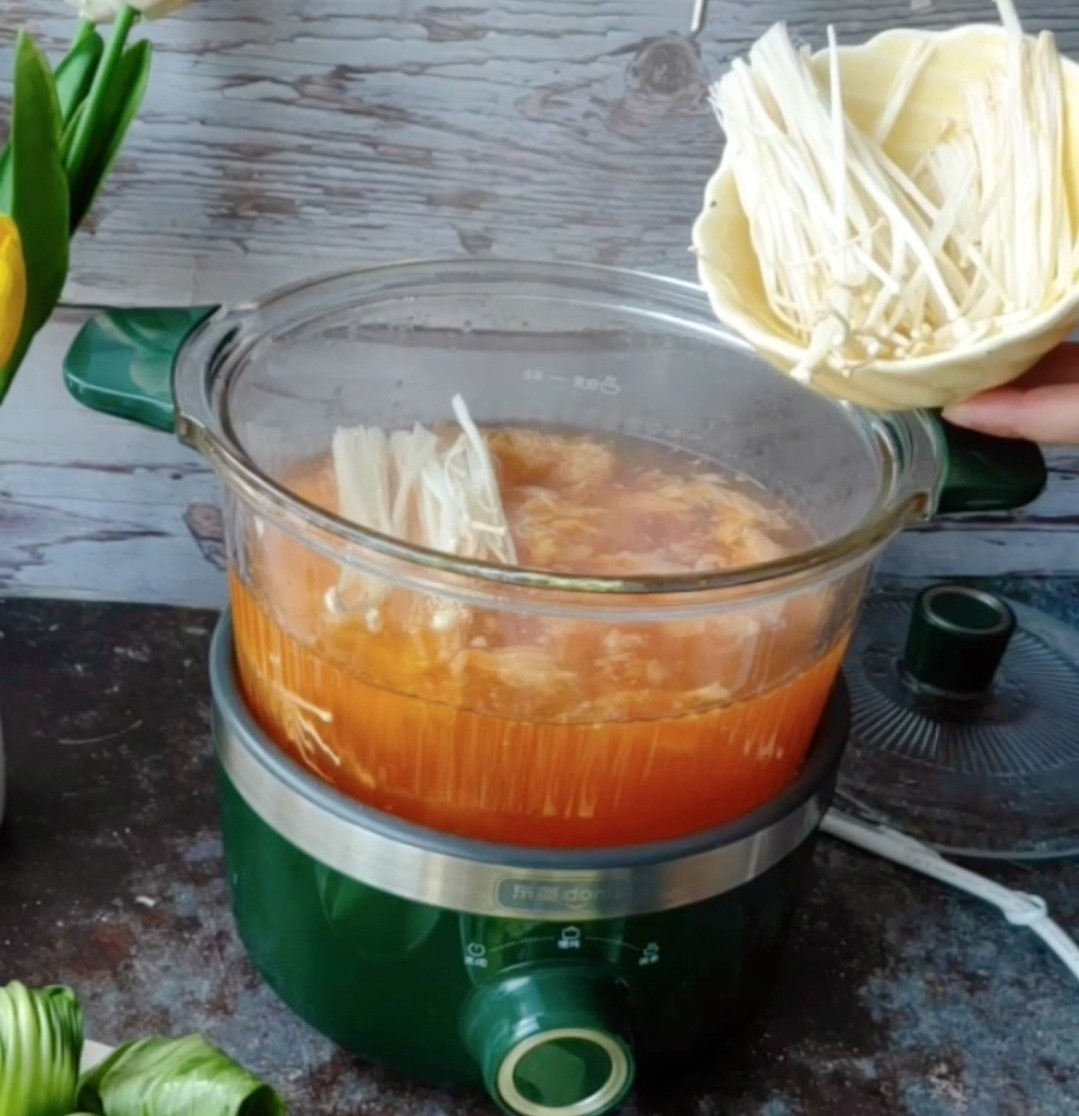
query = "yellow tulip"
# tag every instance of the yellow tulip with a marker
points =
(12, 288)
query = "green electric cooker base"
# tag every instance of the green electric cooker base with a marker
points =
(433, 993)
(548, 978)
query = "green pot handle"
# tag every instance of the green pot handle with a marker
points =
(987, 474)
(122, 362)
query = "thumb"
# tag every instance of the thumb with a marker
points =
(1048, 415)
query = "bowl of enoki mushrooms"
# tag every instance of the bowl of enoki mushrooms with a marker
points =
(896, 223)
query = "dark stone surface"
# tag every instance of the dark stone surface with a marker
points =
(897, 997)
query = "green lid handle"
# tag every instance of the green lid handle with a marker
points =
(987, 474)
(552, 1041)
(957, 639)
(122, 362)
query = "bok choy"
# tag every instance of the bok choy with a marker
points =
(40, 1050)
(181, 1077)
(41, 1044)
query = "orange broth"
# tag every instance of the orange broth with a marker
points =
(548, 730)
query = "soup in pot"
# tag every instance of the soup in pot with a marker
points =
(540, 729)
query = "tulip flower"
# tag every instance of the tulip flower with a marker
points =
(12, 288)
(67, 128)
(104, 11)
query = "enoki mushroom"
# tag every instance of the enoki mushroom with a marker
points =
(863, 261)
(436, 491)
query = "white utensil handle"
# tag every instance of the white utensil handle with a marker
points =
(1019, 908)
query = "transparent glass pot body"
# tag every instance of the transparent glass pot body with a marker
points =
(515, 705)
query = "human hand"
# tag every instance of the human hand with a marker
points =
(1042, 406)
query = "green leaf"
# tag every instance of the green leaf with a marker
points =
(114, 51)
(40, 1048)
(74, 76)
(39, 204)
(6, 181)
(181, 1077)
(70, 130)
(114, 115)
(111, 105)
(87, 27)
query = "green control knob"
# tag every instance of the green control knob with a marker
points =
(957, 639)
(552, 1041)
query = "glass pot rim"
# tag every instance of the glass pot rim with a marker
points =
(908, 444)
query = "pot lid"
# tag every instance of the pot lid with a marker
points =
(963, 724)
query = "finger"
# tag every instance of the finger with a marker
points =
(1048, 414)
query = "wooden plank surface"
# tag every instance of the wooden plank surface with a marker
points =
(93, 507)
(286, 137)
(282, 138)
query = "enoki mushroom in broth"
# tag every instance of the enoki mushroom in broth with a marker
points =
(435, 491)
(547, 729)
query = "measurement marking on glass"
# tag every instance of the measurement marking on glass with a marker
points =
(608, 385)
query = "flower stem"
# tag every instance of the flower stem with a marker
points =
(83, 139)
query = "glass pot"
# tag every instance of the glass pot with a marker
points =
(516, 705)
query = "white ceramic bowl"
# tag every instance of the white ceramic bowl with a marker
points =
(728, 265)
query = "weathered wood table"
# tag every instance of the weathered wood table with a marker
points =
(282, 138)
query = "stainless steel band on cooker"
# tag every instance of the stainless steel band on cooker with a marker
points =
(466, 876)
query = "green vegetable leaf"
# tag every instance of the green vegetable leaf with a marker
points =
(40, 1049)
(181, 1077)
(40, 204)
(74, 76)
